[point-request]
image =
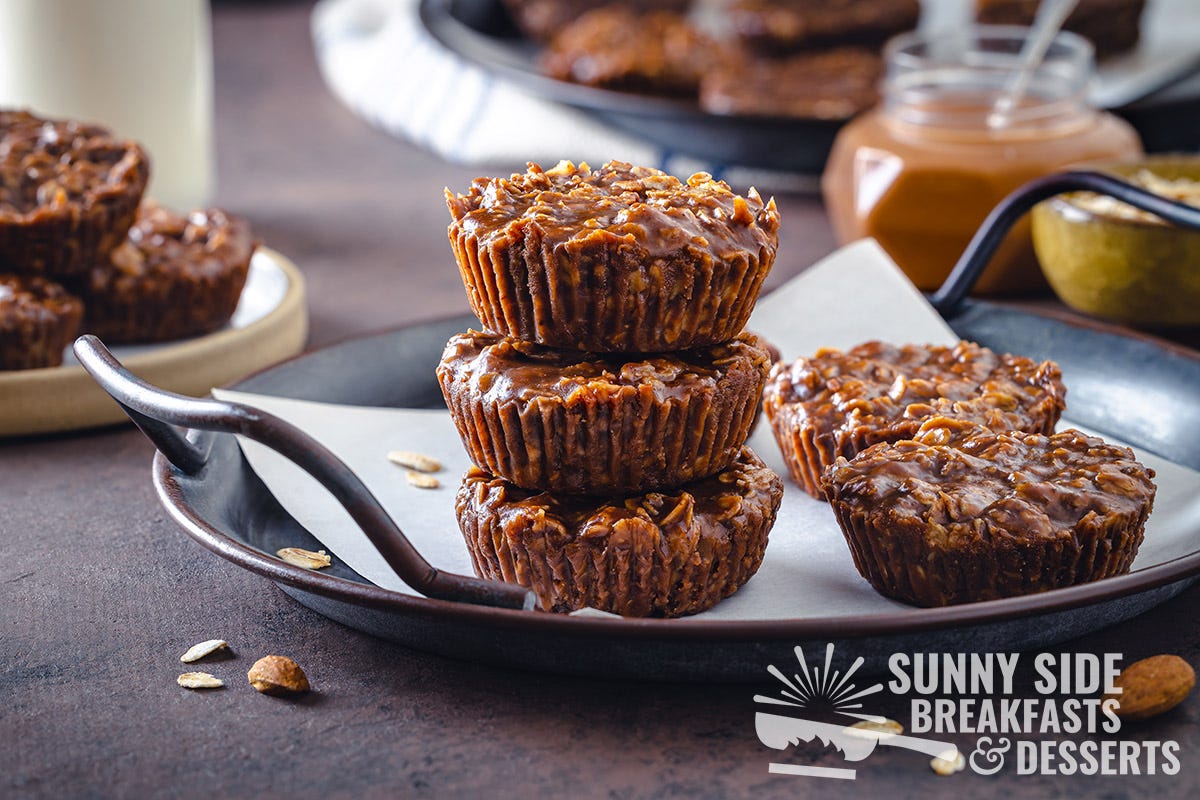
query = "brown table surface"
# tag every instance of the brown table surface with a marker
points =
(100, 592)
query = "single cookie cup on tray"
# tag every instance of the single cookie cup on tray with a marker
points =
(615, 259)
(836, 404)
(601, 424)
(943, 518)
(68, 193)
(38, 319)
(661, 554)
(173, 277)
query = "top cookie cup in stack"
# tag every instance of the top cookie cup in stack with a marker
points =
(615, 259)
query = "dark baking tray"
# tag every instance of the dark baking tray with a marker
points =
(480, 32)
(1127, 385)
(227, 509)
(1124, 384)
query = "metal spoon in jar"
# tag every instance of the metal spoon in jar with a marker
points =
(1050, 18)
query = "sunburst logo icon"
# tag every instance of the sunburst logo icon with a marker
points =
(822, 685)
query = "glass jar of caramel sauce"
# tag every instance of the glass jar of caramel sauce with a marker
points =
(920, 172)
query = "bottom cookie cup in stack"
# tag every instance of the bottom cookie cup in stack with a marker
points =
(173, 277)
(990, 515)
(662, 554)
(38, 319)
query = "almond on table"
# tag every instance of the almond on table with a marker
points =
(278, 675)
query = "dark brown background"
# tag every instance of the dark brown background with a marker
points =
(100, 593)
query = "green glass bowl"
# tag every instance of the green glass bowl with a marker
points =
(1128, 270)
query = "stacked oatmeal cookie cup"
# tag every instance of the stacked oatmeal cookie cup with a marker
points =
(80, 252)
(608, 400)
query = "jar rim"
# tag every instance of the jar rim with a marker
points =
(1065, 46)
(953, 79)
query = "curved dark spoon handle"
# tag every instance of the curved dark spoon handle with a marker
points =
(949, 298)
(156, 412)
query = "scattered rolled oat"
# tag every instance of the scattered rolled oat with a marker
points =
(278, 675)
(199, 680)
(1152, 686)
(421, 480)
(199, 651)
(418, 461)
(304, 558)
(948, 763)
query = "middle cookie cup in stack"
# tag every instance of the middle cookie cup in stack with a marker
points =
(614, 377)
(601, 423)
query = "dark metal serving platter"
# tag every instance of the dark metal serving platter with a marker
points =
(481, 32)
(1131, 386)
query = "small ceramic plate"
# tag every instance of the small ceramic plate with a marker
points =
(270, 324)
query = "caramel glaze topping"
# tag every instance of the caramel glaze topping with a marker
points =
(48, 164)
(1019, 485)
(879, 385)
(202, 244)
(504, 368)
(26, 298)
(618, 204)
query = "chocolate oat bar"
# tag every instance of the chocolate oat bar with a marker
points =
(542, 19)
(616, 48)
(1113, 26)
(831, 84)
(784, 26)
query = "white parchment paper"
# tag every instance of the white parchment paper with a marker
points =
(807, 571)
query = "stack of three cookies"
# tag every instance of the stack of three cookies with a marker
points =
(607, 405)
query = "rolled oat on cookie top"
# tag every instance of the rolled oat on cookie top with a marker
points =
(615, 259)
(990, 515)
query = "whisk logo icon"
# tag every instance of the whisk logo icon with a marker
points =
(824, 686)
